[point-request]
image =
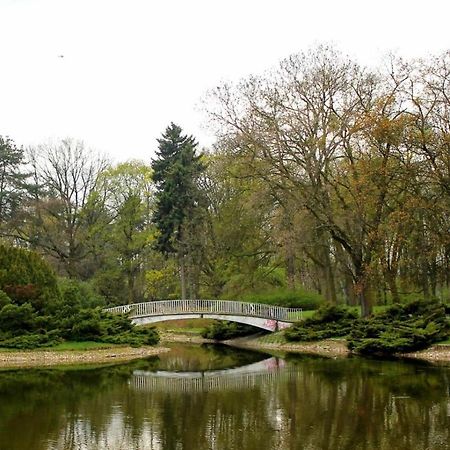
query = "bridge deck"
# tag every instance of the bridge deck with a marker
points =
(219, 307)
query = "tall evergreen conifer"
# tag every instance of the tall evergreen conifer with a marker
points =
(176, 170)
(13, 180)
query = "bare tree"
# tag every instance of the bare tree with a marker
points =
(57, 219)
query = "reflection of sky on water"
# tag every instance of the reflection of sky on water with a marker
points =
(300, 402)
(117, 433)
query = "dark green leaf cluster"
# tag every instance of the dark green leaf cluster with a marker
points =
(176, 170)
(223, 330)
(37, 312)
(328, 321)
(13, 180)
(26, 278)
(401, 328)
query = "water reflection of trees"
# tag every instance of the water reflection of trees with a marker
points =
(327, 404)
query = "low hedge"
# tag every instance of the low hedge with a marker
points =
(401, 329)
(328, 321)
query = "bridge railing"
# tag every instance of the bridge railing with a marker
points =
(206, 383)
(226, 307)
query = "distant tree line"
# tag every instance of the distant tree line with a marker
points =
(326, 178)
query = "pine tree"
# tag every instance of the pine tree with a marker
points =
(178, 199)
(13, 184)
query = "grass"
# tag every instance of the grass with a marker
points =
(80, 346)
(184, 326)
(68, 346)
(273, 338)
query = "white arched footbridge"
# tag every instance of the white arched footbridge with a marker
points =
(267, 317)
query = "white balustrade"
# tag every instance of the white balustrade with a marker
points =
(221, 307)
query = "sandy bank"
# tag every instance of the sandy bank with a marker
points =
(436, 353)
(329, 347)
(43, 358)
(337, 348)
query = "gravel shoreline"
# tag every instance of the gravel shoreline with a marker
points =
(45, 358)
(328, 348)
(337, 349)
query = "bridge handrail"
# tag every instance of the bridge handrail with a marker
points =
(163, 307)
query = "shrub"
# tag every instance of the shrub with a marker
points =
(37, 311)
(26, 278)
(79, 294)
(401, 328)
(4, 299)
(30, 341)
(223, 330)
(17, 319)
(136, 337)
(328, 321)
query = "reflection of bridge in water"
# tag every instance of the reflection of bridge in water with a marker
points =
(245, 377)
(267, 317)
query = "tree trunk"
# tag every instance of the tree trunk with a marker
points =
(130, 277)
(392, 283)
(349, 289)
(329, 287)
(183, 277)
(366, 299)
(363, 288)
(290, 268)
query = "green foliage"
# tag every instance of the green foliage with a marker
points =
(135, 337)
(176, 170)
(223, 330)
(29, 341)
(128, 193)
(4, 299)
(13, 179)
(298, 298)
(26, 278)
(79, 294)
(161, 281)
(16, 319)
(328, 321)
(36, 312)
(401, 328)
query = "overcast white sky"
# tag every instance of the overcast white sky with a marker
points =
(130, 67)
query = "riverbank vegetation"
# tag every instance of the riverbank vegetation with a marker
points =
(38, 311)
(328, 322)
(328, 182)
(401, 328)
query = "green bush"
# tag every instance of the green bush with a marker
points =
(4, 299)
(17, 319)
(223, 330)
(38, 311)
(30, 341)
(328, 321)
(135, 337)
(401, 328)
(79, 294)
(289, 299)
(26, 278)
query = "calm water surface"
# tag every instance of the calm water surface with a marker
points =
(212, 397)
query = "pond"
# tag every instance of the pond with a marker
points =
(217, 397)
